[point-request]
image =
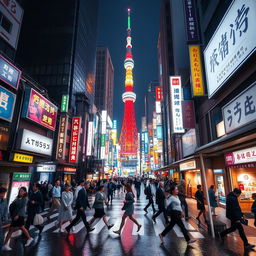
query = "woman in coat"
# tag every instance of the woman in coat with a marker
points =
(128, 209)
(100, 200)
(199, 195)
(18, 212)
(66, 206)
(213, 200)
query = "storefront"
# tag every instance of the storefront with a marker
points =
(191, 174)
(69, 174)
(45, 172)
(242, 168)
(219, 182)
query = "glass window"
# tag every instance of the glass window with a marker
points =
(5, 23)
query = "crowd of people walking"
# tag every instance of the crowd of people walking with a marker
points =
(69, 199)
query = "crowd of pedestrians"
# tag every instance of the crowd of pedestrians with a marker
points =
(69, 199)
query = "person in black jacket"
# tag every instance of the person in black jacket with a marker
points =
(149, 192)
(82, 203)
(137, 185)
(34, 206)
(234, 214)
(160, 199)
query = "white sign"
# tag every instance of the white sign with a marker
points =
(104, 115)
(189, 165)
(241, 110)
(89, 139)
(158, 107)
(110, 123)
(11, 17)
(231, 45)
(189, 144)
(177, 121)
(103, 127)
(46, 168)
(242, 156)
(36, 143)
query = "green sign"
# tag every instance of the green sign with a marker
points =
(21, 176)
(103, 139)
(64, 103)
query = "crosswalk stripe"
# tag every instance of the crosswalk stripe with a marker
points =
(99, 226)
(135, 227)
(63, 226)
(188, 226)
(177, 231)
(79, 226)
(116, 226)
(196, 235)
(47, 227)
(158, 226)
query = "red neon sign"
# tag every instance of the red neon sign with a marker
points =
(159, 93)
(74, 142)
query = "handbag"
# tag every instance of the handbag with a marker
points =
(38, 220)
(244, 221)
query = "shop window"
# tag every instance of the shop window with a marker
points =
(5, 23)
(216, 118)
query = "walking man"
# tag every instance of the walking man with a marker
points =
(82, 203)
(182, 196)
(137, 185)
(235, 215)
(149, 192)
(160, 200)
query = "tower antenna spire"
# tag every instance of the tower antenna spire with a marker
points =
(129, 18)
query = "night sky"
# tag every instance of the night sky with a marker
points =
(145, 26)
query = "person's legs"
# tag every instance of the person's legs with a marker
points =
(25, 232)
(134, 220)
(83, 216)
(157, 214)
(29, 220)
(240, 228)
(146, 207)
(105, 220)
(184, 203)
(74, 221)
(92, 220)
(123, 221)
(152, 203)
(228, 230)
(183, 229)
(169, 226)
(204, 214)
(9, 234)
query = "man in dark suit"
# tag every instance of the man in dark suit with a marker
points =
(149, 192)
(82, 203)
(34, 206)
(160, 199)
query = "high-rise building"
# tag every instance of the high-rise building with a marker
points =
(129, 135)
(104, 81)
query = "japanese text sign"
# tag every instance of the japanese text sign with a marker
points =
(64, 103)
(242, 156)
(21, 176)
(22, 158)
(188, 114)
(241, 110)
(61, 145)
(40, 110)
(177, 121)
(196, 70)
(191, 21)
(74, 142)
(159, 95)
(231, 45)
(89, 139)
(9, 74)
(10, 27)
(4, 136)
(7, 104)
(36, 143)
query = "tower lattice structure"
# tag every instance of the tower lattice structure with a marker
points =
(128, 140)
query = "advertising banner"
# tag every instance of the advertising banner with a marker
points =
(22, 158)
(4, 136)
(40, 110)
(74, 141)
(64, 103)
(7, 104)
(196, 70)
(241, 156)
(89, 139)
(46, 168)
(61, 145)
(188, 113)
(159, 96)
(189, 143)
(9, 74)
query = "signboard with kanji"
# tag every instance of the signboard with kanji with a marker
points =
(9, 74)
(64, 103)
(247, 155)
(7, 104)
(196, 70)
(61, 145)
(241, 110)
(159, 95)
(231, 45)
(40, 110)
(176, 109)
(74, 141)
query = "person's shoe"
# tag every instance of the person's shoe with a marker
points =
(117, 232)
(249, 246)
(29, 241)
(154, 219)
(161, 238)
(40, 230)
(139, 227)
(6, 248)
(110, 226)
(145, 210)
(191, 241)
(90, 230)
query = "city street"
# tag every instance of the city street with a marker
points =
(104, 242)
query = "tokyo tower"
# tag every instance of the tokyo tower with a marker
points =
(128, 140)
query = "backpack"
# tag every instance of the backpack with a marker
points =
(13, 209)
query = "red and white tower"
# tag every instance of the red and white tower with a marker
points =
(128, 140)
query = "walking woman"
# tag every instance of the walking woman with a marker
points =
(199, 195)
(128, 208)
(175, 211)
(66, 206)
(18, 212)
(100, 200)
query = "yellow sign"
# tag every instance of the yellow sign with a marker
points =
(22, 158)
(196, 70)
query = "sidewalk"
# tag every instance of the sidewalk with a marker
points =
(221, 215)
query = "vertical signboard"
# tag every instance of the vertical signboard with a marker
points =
(159, 95)
(74, 141)
(177, 120)
(191, 21)
(103, 134)
(89, 139)
(64, 103)
(188, 114)
(196, 70)
(7, 104)
(61, 145)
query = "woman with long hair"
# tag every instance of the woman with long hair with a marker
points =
(98, 205)
(128, 208)
(18, 212)
(174, 209)
(199, 195)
